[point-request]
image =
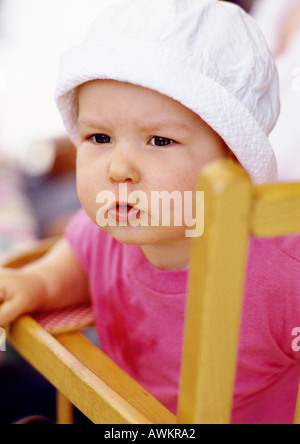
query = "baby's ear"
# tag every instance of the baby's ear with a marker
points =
(228, 154)
(232, 155)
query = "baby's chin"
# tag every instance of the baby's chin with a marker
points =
(145, 235)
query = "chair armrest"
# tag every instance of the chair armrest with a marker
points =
(86, 376)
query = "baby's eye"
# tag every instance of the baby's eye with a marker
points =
(100, 138)
(160, 141)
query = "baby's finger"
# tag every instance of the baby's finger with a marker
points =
(9, 311)
(2, 295)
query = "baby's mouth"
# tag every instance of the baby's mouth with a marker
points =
(124, 212)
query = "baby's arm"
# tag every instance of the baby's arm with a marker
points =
(55, 281)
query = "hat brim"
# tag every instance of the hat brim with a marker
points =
(149, 67)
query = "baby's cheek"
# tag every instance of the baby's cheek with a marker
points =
(86, 193)
(186, 181)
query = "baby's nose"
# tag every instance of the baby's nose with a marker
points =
(123, 168)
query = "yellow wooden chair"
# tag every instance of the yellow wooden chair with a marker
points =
(85, 377)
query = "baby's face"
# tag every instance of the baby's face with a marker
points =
(138, 138)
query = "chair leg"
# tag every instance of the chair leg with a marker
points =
(297, 412)
(64, 410)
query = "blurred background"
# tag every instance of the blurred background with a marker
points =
(37, 162)
(37, 192)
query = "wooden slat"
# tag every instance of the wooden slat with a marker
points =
(64, 410)
(272, 208)
(216, 286)
(297, 411)
(103, 367)
(83, 388)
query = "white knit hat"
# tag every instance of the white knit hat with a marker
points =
(208, 55)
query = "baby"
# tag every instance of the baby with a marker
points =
(157, 90)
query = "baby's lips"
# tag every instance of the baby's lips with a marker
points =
(133, 206)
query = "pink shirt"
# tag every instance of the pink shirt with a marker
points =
(140, 309)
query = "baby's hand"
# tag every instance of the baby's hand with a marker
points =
(57, 280)
(20, 293)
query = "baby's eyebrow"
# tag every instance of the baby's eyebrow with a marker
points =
(149, 126)
(84, 123)
(161, 125)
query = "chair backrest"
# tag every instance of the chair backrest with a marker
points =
(234, 210)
